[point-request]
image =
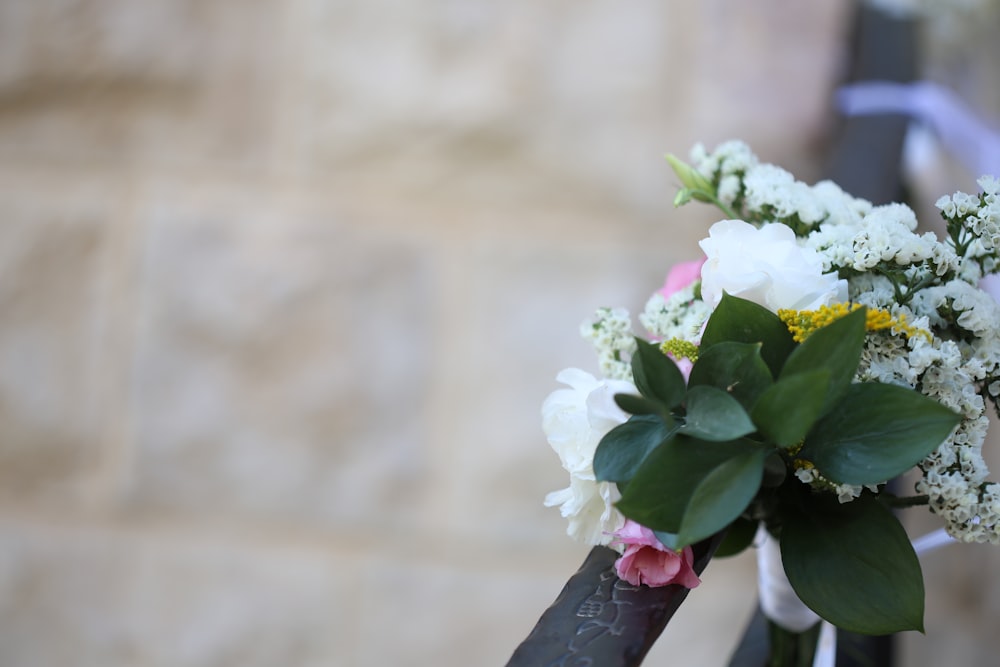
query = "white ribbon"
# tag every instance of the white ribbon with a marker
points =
(777, 599)
(963, 133)
(780, 603)
(931, 541)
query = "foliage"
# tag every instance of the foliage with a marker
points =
(692, 460)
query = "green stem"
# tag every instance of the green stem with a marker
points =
(903, 501)
(728, 212)
(792, 649)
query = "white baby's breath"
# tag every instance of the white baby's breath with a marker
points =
(610, 332)
(680, 315)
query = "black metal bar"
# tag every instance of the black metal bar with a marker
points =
(865, 160)
(865, 155)
(601, 620)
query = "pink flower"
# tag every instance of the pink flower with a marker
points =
(647, 561)
(684, 365)
(680, 276)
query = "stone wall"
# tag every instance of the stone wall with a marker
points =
(284, 284)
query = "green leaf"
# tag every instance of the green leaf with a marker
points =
(738, 537)
(742, 321)
(694, 488)
(836, 348)
(775, 470)
(640, 405)
(669, 540)
(714, 415)
(623, 449)
(790, 407)
(876, 432)
(854, 566)
(736, 368)
(724, 492)
(656, 375)
(690, 177)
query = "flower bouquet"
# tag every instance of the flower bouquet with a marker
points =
(821, 349)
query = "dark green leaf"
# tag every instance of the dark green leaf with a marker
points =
(656, 375)
(876, 432)
(640, 405)
(669, 540)
(722, 495)
(790, 407)
(694, 488)
(742, 321)
(736, 368)
(854, 566)
(714, 415)
(738, 537)
(775, 470)
(836, 348)
(623, 449)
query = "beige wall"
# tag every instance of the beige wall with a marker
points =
(284, 283)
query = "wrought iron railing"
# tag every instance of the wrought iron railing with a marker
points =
(600, 620)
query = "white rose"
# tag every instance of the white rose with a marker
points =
(766, 266)
(574, 421)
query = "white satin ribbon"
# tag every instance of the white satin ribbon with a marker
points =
(777, 599)
(931, 541)
(780, 603)
(967, 136)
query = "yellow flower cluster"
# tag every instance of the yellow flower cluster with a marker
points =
(802, 464)
(802, 323)
(679, 349)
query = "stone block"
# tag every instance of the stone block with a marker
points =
(486, 98)
(58, 378)
(111, 80)
(444, 614)
(519, 326)
(282, 366)
(92, 598)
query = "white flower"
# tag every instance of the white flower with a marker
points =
(589, 506)
(887, 236)
(841, 208)
(678, 316)
(834, 243)
(729, 189)
(574, 421)
(772, 189)
(980, 313)
(732, 157)
(611, 334)
(766, 266)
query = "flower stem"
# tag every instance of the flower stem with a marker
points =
(728, 212)
(903, 501)
(792, 649)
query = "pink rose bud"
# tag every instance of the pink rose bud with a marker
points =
(647, 561)
(680, 276)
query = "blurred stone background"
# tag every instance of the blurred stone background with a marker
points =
(283, 285)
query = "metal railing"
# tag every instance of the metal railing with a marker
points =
(600, 620)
